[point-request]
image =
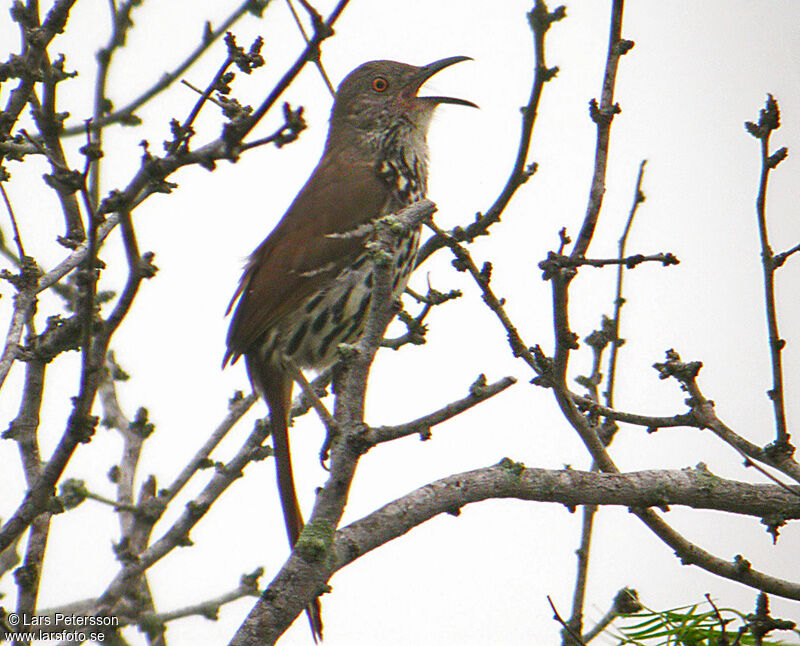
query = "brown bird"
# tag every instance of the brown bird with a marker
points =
(307, 287)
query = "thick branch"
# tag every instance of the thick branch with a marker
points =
(693, 487)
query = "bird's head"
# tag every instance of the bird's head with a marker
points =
(378, 95)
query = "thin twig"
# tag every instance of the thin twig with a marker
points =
(479, 391)
(705, 416)
(619, 301)
(465, 261)
(120, 24)
(23, 306)
(62, 179)
(117, 506)
(652, 423)
(603, 115)
(238, 406)
(608, 335)
(208, 609)
(603, 623)
(415, 327)
(769, 121)
(139, 268)
(321, 32)
(34, 50)
(132, 443)
(782, 257)
(567, 630)
(177, 535)
(555, 262)
(17, 238)
(575, 622)
(29, 575)
(127, 113)
(185, 128)
(213, 100)
(540, 20)
(288, 132)
(317, 61)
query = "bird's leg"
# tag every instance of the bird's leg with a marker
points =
(308, 391)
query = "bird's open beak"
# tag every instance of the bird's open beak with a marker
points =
(432, 68)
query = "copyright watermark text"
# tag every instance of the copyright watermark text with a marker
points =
(59, 626)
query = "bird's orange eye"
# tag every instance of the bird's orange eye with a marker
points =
(379, 84)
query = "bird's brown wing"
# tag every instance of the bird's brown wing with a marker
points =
(307, 249)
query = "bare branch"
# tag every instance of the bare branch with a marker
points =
(480, 391)
(574, 625)
(133, 437)
(782, 257)
(415, 327)
(120, 24)
(652, 423)
(695, 487)
(774, 455)
(598, 340)
(293, 125)
(24, 429)
(140, 267)
(224, 475)
(482, 277)
(314, 17)
(556, 262)
(569, 635)
(15, 228)
(208, 609)
(53, 24)
(237, 406)
(322, 31)
(619, 301)
(603, 115)
(127, 114)
(24, 303)
(64, 180)
(769, 120)
(540, 20)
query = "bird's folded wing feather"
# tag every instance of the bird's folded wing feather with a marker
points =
(317, 237)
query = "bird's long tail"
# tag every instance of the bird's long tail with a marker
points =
(276, 387)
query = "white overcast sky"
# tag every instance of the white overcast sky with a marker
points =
(697, 72)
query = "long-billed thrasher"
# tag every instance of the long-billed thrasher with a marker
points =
(307, 287)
